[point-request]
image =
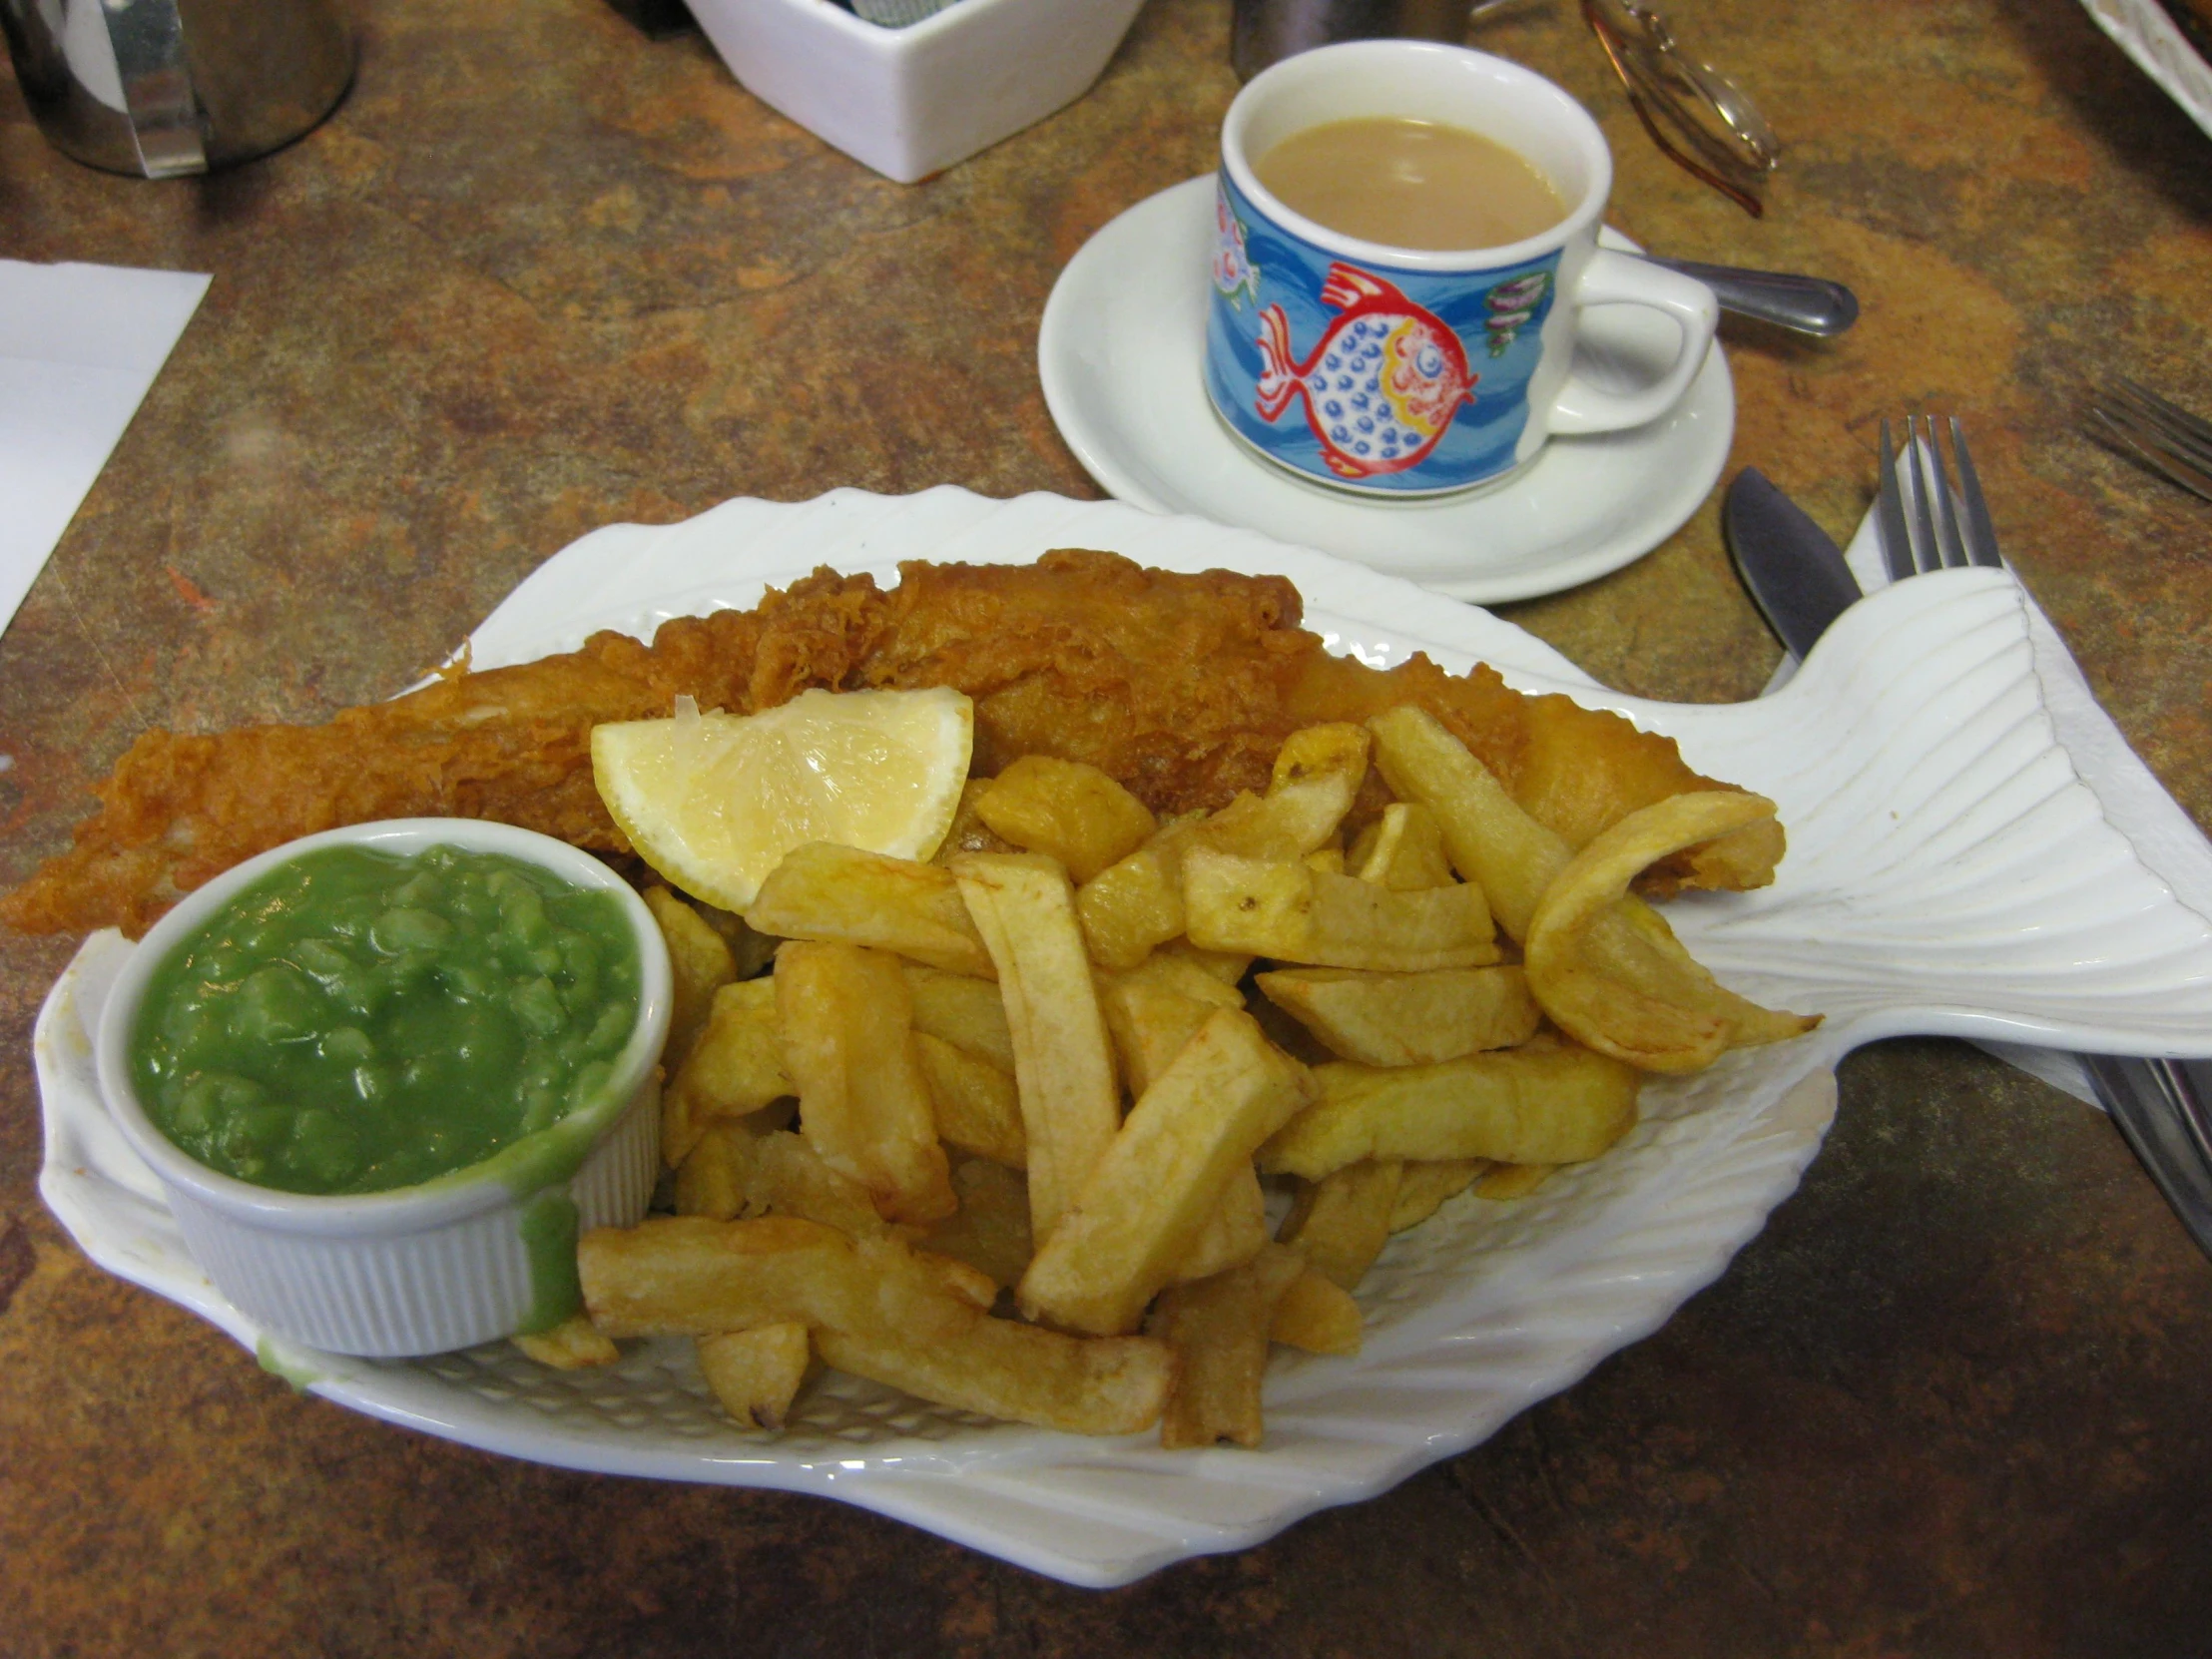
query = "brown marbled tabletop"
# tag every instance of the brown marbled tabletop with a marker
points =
(539, 272)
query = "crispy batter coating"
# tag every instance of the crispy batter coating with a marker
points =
(1183, 687)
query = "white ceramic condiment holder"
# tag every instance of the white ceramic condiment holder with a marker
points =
(910, 102)
(420, 1270)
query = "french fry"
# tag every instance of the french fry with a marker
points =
(1183, 974)
(846, 1018)
(977, 1107)
(1541, 1103)
(1006, 1369)
(699, 962)
(1156, 1007)
(1220, 1330)
(990, 1230)
(1232, 1234)
(785, 1176)
(969, 833)
(1142, 1209)
(1136, 904)
(1131, 906)
(1229, 966)
(1517, 861)
(735, 1067)
(1318, 1316)
(840, 895)
(737, 1172)
(1317, 773)
(1292, 912)
(875, 1309)
(962, 1010)
(1610, 972)
(1067, 810)
(1491, 839)
(1063, 1062)
(757, 1373)
(1507, 1181)
(688, 1276)
(1407, 1019)
(714, 1176)
(1402, 850)
(1423, 1187)
(1341, 1222)
(1327, 861)
(574, 1344)
(749, 952)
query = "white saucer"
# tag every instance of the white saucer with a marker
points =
(1119, 356)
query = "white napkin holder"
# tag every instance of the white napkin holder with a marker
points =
(911, 102)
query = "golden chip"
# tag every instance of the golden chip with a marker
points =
(1218, 1327)
(1063, 1062)
(1546, 1102)
(1610, 972)
(757, 1373)
(1407, 1020)
(1187, 1137)
(846, 1018)
(1341, 1222)
(1295, 914)
(1066, 809)
(844, 896)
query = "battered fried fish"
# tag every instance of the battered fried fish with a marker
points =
(1181, 685)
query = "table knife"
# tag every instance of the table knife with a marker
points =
(1796, 576)
(1795, 573)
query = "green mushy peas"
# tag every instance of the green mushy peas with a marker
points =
(357, 1022)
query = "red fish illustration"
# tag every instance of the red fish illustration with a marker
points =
(1382, 385)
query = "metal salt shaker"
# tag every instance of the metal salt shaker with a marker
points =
(1263, 32)
(162, 88)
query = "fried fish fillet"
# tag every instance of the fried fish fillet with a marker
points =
(1181, 685)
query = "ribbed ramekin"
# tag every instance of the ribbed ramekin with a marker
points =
(419, 1269)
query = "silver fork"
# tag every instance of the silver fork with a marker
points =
(2158, 1104)
(2161, 434)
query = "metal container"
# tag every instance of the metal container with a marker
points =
(161, 87)
(1266, 31)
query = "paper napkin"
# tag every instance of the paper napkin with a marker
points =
(79, 345)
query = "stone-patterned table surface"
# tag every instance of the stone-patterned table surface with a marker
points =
(540, 273)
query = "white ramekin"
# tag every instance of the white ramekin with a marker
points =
(910, 102)
(419, 1269)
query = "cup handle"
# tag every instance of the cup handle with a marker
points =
(1612, 279)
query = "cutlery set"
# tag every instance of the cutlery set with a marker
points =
(1930, 517)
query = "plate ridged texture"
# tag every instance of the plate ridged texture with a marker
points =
(1949, 871)
(2143, 29)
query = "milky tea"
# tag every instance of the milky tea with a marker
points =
(1411, 183)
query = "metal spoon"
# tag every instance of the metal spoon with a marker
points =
(1802, 304)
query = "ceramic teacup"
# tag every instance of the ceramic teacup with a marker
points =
(1399, 371)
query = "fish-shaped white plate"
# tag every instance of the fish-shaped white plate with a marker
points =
(1949, 871)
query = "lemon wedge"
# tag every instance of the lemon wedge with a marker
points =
(714, 802)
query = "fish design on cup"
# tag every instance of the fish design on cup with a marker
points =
(1382, 387)
(1512, 305)
(1235, 278)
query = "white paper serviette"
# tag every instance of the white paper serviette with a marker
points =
(79, 345)
(2134, 802)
